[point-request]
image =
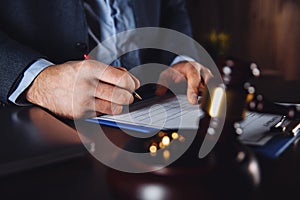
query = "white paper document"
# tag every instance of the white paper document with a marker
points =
(173, 113)
(178, 113)
(256, 128)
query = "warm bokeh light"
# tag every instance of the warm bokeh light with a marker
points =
(175, 135)
(161, 134)
(181, 138)
(166, 154)
(153, 149)
(216, 102)
(161, 145)
(165, 141)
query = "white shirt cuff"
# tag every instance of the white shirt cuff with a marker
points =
(29, 75)
(181, 58)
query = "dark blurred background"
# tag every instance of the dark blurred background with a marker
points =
(264, 31)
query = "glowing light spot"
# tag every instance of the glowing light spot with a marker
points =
(175, 135)
(153, 149)
(161, 145)
(296, 130)
(253, 66)
(239, 131)
(211, 131)
(246, 85)
(250, 97)
(240, 156)
(181, 138)
(251, 90)
(166, 154)
(259, 97)
(216, 102)
(151, 192)
(255, 70)
(254, 170)
(227, 70)
(236, 125)
(165, 141)
(252, 104)
(161, 134)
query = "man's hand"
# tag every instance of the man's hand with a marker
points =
(86, 88)
(192, 72)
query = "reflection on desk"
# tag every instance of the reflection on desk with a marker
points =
(31, 137)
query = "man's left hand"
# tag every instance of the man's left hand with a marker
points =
(192, 72)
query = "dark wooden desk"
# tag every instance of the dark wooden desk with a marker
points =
(86, 178)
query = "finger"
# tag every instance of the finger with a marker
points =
(206, 74)
(113, 94)
(137, 82)
(194, 81)
(163, 83)
(116, 77)
(120, 68)
(106, 107)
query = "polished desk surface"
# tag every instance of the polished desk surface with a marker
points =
(85, 177)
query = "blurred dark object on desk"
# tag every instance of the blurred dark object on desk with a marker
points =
(277, 89)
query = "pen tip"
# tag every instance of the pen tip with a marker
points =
(137, 96)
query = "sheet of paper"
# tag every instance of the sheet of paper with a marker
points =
(256, 128)
(178, 113)
(172, 113)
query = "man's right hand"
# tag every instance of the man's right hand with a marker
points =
(86, 88)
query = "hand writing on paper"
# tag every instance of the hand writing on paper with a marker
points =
(86, 88)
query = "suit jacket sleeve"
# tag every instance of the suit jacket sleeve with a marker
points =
(175, 16)
(15, 58)
(55, 30)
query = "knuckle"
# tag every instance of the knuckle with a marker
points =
(100, 90)
(123, 97)
(85, 63)
(190, 67)
(127, 82)
(116, 109)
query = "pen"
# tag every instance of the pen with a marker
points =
(135, 94)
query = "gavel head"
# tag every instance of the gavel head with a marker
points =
(234, 92)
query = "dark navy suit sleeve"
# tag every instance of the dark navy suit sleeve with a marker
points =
(14, 59)
(174, 16)
(170, 14)
(32, 29)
